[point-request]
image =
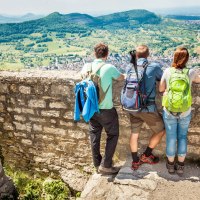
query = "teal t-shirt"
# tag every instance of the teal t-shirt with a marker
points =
(107, 73)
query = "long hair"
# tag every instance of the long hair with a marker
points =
(181, 57)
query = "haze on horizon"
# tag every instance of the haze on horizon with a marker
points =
(20, 7)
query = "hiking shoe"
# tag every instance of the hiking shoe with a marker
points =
(96, 169)
(179, 169)
(108, 171)
(149, 159)
(135, 165)
(170, 167)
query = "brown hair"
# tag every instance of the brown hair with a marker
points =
(181, 57)
(142, 51)
(101, 50)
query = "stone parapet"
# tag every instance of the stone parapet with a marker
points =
(37, 130)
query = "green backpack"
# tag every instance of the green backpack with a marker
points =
(178, 97)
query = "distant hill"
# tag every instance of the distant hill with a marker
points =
(76, 23)
(183, 17)
(130, 17)
(188, 11)
(18, 19)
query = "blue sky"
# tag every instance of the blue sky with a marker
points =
(19, 7)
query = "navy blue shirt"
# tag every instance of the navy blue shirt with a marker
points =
(153, 73)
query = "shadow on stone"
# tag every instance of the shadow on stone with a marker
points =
(151, 173)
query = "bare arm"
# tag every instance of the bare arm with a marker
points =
(121, 77)
(162, 86)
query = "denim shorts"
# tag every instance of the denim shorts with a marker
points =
(176, 133)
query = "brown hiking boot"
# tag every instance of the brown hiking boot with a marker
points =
(108, 171)
(170, 167)
(179, 169)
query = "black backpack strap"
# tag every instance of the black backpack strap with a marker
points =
(145, 65)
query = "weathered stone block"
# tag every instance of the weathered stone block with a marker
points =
(19, 118)
(27, 142)
(66, 123)
(55, 131)
(2, 119)
(21, 102)
(60, 90)
(47, 138)
(1, 107)
(33, 119)
(53, 121)
(23, 127)
(194, 139)
(37, 103)
(27, 111)
(12, 100)
(10, 134)
(76, 134)
(24, 89)
(48, 155)
(20, 134)
(68, 115)
(37, 127)
(2, 98)
(50, 113)
(13, 88)
(4, 88)
(8, 126)
(57, 105)
(17, 110)
(38, 159)
(39, 89)
(194, 150)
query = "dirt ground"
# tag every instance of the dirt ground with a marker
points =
(182, 190)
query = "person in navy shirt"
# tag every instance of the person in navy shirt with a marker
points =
(149, 115)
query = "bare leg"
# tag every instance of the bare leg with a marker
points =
(155, 139)
(134, 142)
(181, 158)
(171, 159)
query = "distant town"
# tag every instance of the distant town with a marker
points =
(120, 61)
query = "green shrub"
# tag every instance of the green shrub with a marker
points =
(33, 190)
(55, 190)
(30, 188)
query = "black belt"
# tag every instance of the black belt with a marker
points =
(176, 114)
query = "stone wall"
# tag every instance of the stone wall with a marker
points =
(37, 130)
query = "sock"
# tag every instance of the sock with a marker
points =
(135, 157)
(171, 163)
(148, 151)
(180, 163)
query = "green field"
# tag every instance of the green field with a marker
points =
(46, 45)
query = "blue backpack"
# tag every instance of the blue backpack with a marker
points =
(133, 95)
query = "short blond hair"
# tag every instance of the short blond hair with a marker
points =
(142, 51)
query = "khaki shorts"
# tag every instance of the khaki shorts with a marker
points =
(152, 119)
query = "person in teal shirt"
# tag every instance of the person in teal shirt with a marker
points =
(107, 118)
